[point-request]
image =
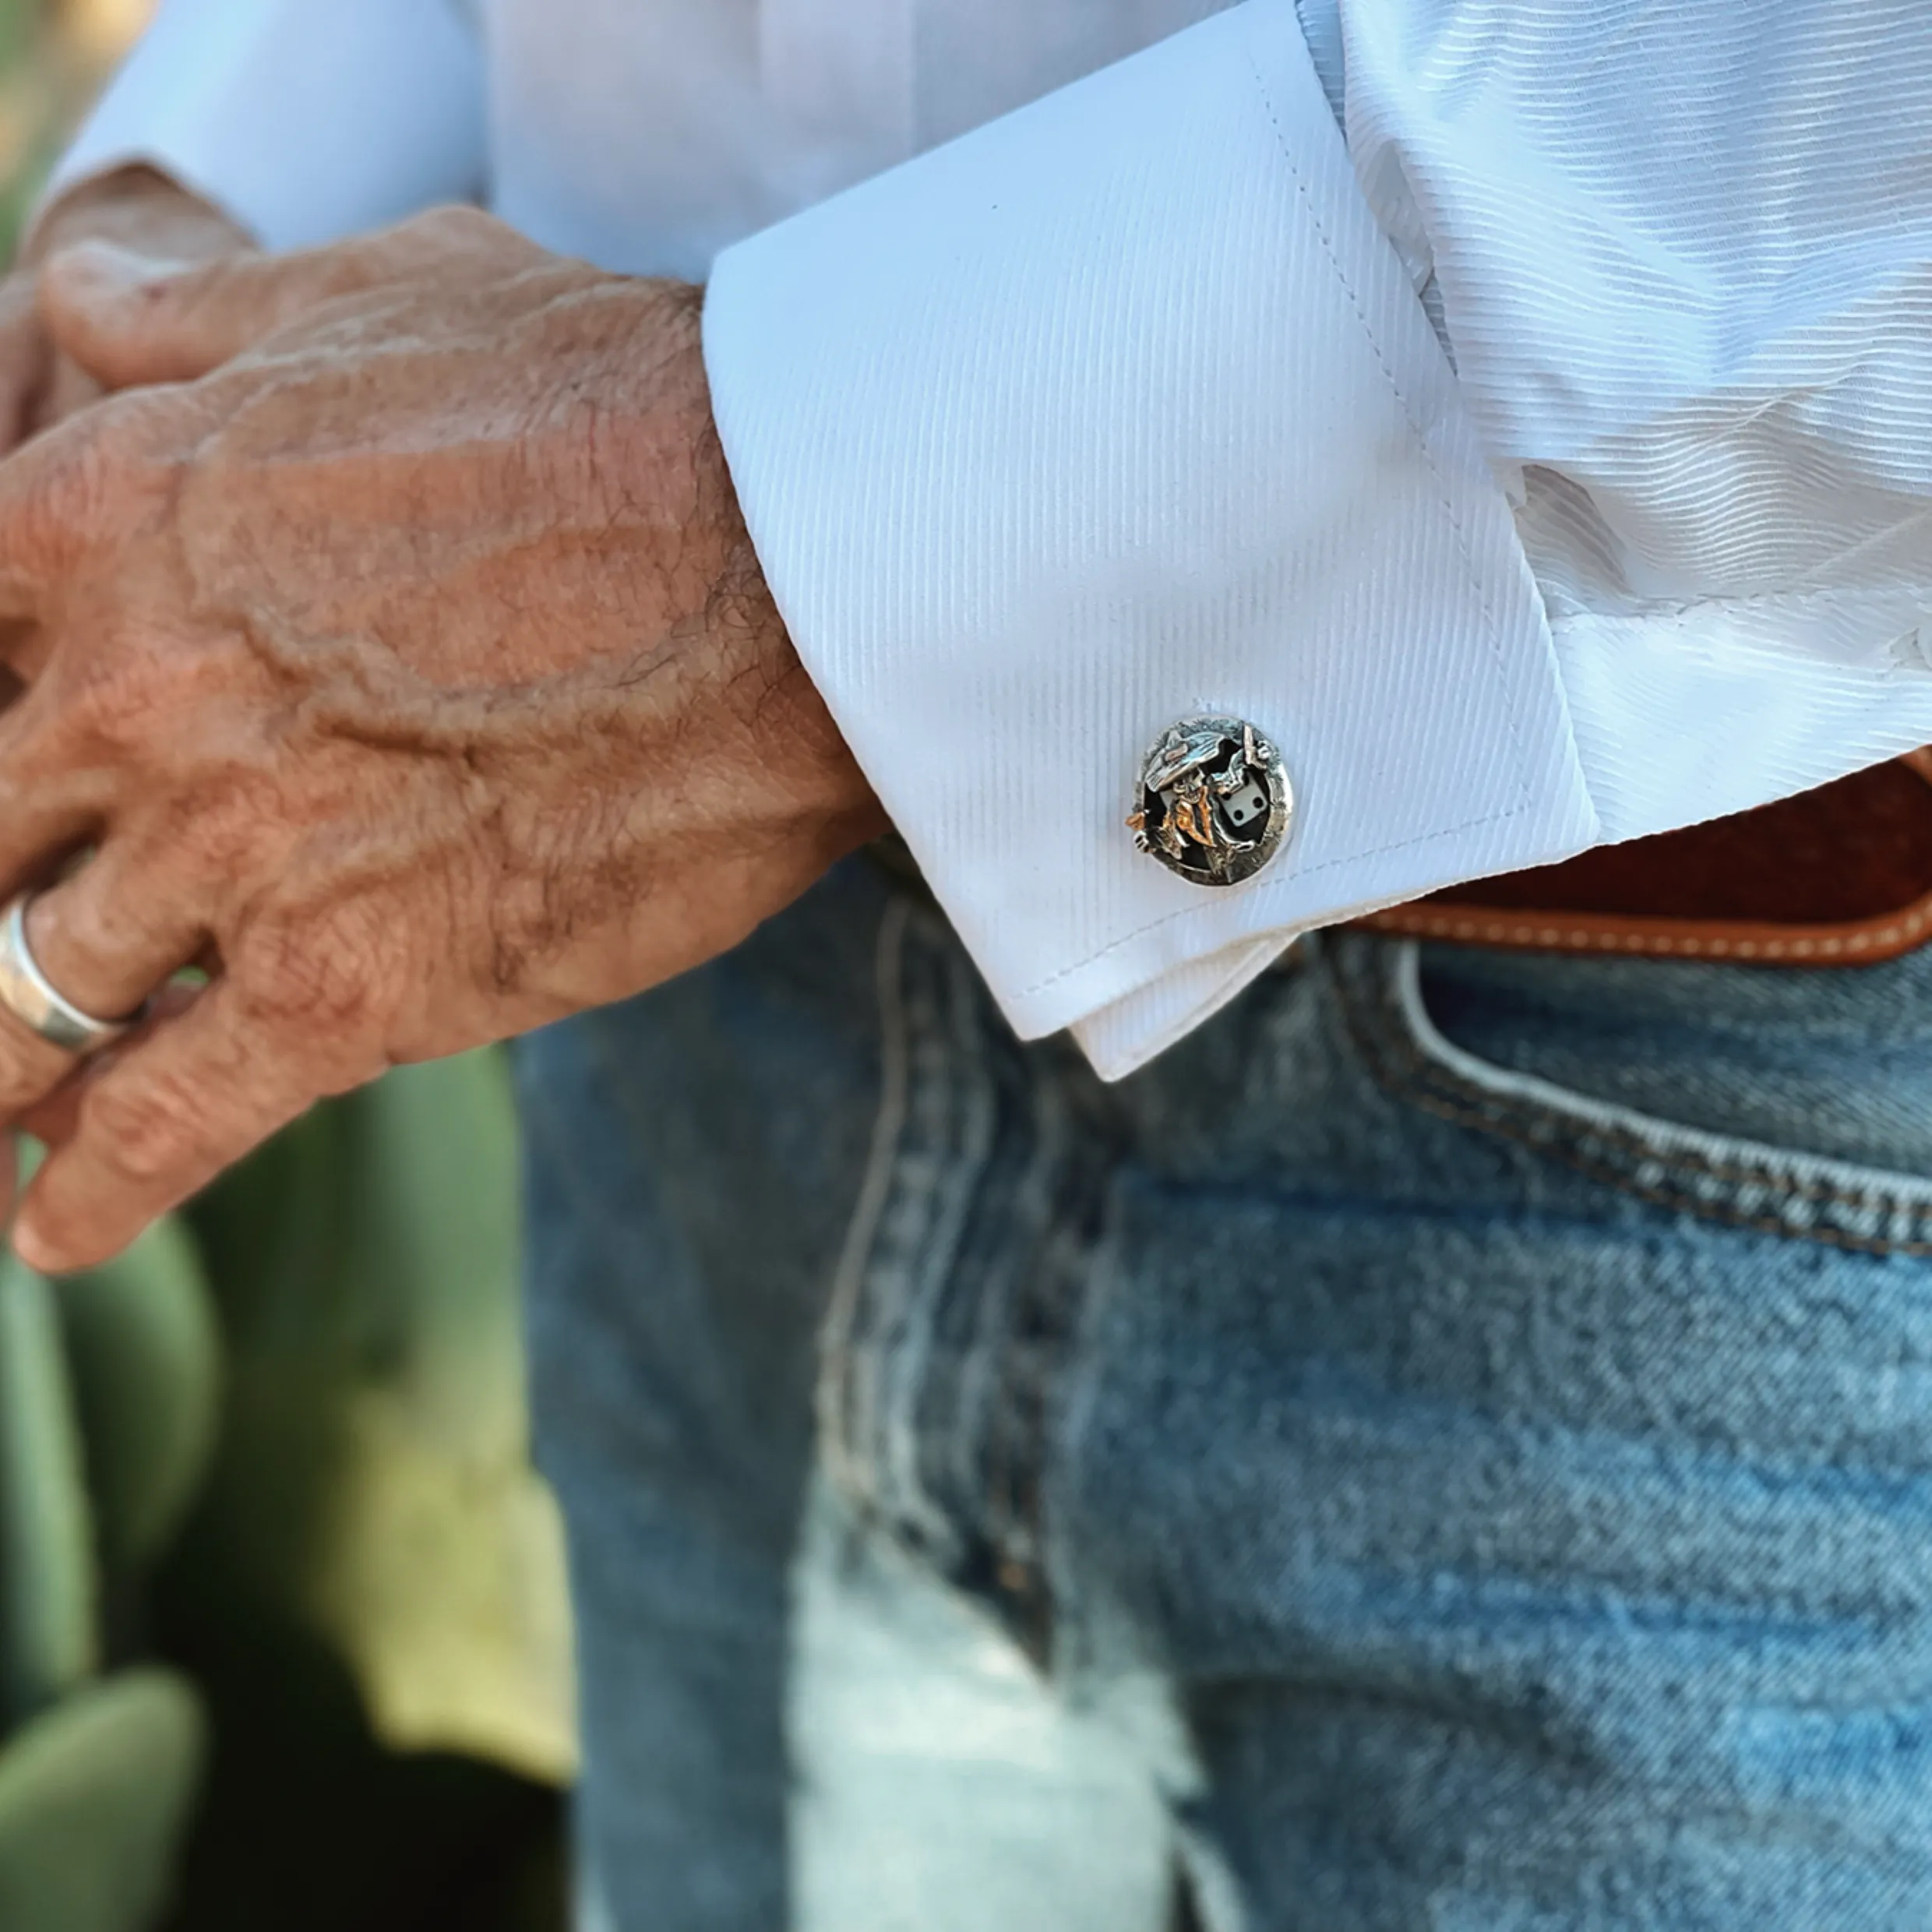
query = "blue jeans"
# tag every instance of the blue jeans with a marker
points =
(1448, 1446)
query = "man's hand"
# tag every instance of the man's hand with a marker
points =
(412, 671)
(134, 207)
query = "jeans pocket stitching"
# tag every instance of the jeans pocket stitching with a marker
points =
(1380, 998)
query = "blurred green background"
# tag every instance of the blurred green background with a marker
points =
(284, 1635)
(53, 53)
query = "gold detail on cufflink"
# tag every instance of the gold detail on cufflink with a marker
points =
(1214, 802)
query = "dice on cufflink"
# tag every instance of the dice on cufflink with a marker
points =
(1215, 804)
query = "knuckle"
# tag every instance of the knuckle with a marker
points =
(126, 703)
(455, 227)
(72, 475)
(28, 1068)
(138, 446)
(90, 926)
(145, 694)
(90, 475)
(220, 831)
(319, 981)
(95, 449)
(147, 1129)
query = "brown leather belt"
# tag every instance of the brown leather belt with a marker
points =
(1839, 877)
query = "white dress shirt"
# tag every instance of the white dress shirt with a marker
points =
(1549, 464)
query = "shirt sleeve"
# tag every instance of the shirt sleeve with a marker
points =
(1130, 407)
(304, 120)
(1120, 411)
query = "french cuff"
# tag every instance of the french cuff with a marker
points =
(301, 122)
(1119, 412)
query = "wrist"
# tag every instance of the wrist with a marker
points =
(789, 729)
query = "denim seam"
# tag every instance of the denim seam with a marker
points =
(892, 1269)
(1423, 1082)
(884, 1391)
(1072, 1167)
(960, 1285)
(1464, 1115)
(953, 1076)
(836, 1398)
(940, 1154)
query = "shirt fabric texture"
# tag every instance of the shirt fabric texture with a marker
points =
(1541, 457)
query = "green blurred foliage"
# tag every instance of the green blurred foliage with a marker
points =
(370, 1591)
(282, 1624)
(101, 1753)
(40, 83)
(47, 1644)
(146, 1357)
(374, 1483)
(94, 1796)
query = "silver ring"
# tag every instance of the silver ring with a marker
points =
(33, 999)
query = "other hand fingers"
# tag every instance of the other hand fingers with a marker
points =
(130, 320)
(67, 391)
(26, 361)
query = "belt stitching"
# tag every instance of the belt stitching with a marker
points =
(1585, 935)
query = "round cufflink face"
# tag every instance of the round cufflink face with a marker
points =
(1214, 802)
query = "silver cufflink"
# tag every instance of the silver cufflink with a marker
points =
(1213, 803)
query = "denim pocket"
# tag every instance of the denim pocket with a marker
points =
(1776, 1182)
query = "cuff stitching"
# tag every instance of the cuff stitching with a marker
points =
(1312, 871)
(1473, 576)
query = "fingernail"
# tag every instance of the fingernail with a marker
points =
(109, 268)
